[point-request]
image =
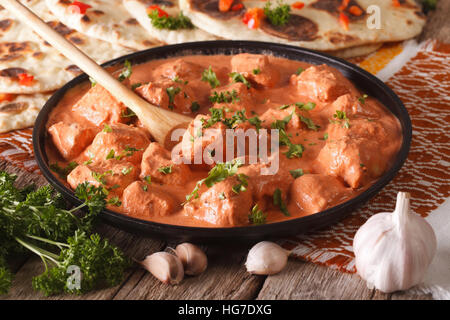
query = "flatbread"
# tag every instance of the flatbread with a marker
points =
(358, 51)
(107, 20)
(316, 26)
(138, 9)
(23, 51)
(21, 112)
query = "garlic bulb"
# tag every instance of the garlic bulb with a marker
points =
(193, 258)
(394, 249)
(266, 258)
(164, 266)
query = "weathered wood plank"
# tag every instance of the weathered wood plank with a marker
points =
(225, 278)
(302, 280)
(438, 23)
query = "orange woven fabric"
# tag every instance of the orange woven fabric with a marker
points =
(423, 84)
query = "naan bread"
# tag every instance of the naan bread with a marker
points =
(138, 9)
(316, 26)
(23, 51)
(21, 112)
(106, 20)
(357, 51)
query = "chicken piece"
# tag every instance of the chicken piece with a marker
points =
(316, 192)
(355, 160)
(221, 206)
(264, 185)
(198, 142)
(168, 94)
(271, 115)
(144, 200)
(256, 68)
(71, 139)
(113, 175)
(353, 107)
(99, 106)
(119, 141)
(179, 68)
(157, 163)
(322, 82)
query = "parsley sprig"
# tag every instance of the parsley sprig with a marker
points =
(171, 23)
(257, 216)
(279, 15)
(210, 76)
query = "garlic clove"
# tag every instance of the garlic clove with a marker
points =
(166, 267)
(193, 258)
(394, 249)
(266, 258)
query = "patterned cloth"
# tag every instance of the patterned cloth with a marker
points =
(423, 84)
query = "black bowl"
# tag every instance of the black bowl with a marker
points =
(364, 80)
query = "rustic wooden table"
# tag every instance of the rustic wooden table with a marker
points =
(226, 277)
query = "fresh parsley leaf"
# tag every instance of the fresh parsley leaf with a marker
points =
(257, 216)
(299, 70)
(195, 106)
(127, 114)
(209, 75)
(296, 173)
(341, 117)
(256, 71)
(170, 23)
(305, 106)
(279, 202)
(242, 185)
(136, 85)
(237, 77)
(63, 172)
(279, 15)
(224, 97)
(295, 150)
(363, 98)
(125, 74)
(165, 170)
(126, 171)
(309, 123)
(107, 128)
(172, 92)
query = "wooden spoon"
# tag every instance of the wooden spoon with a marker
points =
(158, 121)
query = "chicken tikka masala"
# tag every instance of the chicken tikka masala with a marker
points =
(334, 140)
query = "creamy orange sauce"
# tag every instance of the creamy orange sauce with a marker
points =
(341, 157)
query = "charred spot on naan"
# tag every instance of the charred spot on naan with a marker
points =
(10, 51)
(6, 24)
(73, 69)
(298, 28)
(61, 28)
(131, 22)
(98, 12)
(337, 37)
(14, 107)
(166, 3)
(12, 73)
(211, 8)
(332, 7)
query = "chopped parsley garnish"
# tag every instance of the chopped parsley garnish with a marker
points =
(305, 106)
(170, 23)
(145, 187)
(279, 15)
(128, 114)
(222, 196)
(101, 177)
(309, 123)
(172, 92)
(209, 75)
(224, 97)
(93, 82)
(257, 216)
(114, 201)
(126, 171)
(296, 173)
(299, 70)
(325, 136)
(218, 173)
(165, 170)
(242, 185)
(279, 202)
(125, 74)
(195, 106)
(295, 150)
(63, 172)
(285, 106)
(178, 80)
(148, 179)
(256, 71)
(341, 117)
(111, 154)
(255, 121)
(107, 128)
(363, 98)
(134, 86)
(237, 77)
